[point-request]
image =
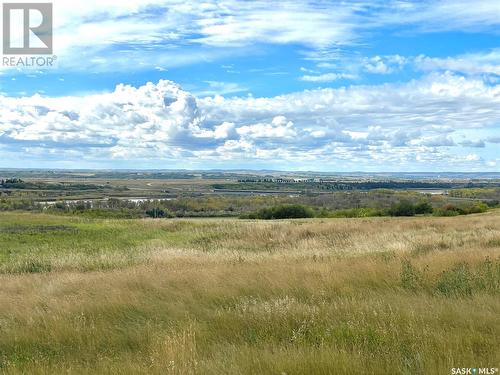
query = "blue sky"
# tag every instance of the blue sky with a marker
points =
(299, 85)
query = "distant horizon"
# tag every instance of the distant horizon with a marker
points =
(235, 170)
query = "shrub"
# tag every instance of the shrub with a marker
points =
(411, 278)
(457, 282)
(488, 276)
(357, 212)
(476, 208)
(158, 213)
(423, 208)
(292, 211)
(403, 208)
(447, 210)
(453, 210)
(493, 203)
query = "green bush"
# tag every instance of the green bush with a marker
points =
(292, 211)
(493, 203)
(423, 208)
(457, 282)
(158, 213)
(403, 208)
(477, 208)
(451, 209)
(357, 212)
(411, 278)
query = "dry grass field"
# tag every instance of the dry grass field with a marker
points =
(224, 296)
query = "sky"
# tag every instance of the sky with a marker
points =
(371, 86)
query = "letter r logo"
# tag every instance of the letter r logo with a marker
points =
(27, 28)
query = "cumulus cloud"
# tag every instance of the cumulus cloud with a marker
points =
(437, 141)
(390, 124)
(279, 127)
(383, 64)
(129, 120)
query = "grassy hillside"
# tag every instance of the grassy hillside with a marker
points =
(223, 296)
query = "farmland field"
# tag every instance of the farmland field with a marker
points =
(382, 295)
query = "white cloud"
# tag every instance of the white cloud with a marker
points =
(472, 157)
(223, 131)
(327, 77)
(220, 88)
(472, 63)
(98, 35)
(279, 127)
(396, 125)
(112, 35)
(493, 140)
(383, 64)
(237, 23)
(436, 141)
(484, 63)
(444, 15)
(479, 143)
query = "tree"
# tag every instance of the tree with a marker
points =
(403, 208)
(423, 208)
(155, 213)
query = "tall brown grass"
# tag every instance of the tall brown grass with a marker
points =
(341, 296)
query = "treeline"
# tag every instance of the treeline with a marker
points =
(403, 208)
(10, 181)
(269, 184)
(17, 183)
(122, 208)
(492, 194)
(354, 204)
